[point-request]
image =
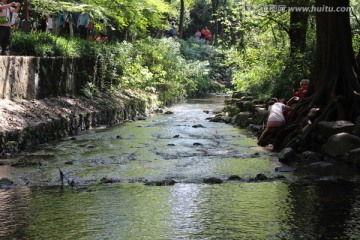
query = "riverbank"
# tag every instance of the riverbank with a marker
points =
(28, 123)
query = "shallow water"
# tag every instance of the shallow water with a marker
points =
(39, 207)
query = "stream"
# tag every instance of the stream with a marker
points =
(145, 180)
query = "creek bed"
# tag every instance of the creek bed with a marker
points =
(183, 147)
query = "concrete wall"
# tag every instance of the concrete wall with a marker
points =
(37, 78)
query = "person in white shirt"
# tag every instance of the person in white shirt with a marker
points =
(5, 10)
(276, 117)
(49, 24)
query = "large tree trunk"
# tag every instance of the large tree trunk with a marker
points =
(298, 28)
(215, 30)
(182, 12)
(334, 81)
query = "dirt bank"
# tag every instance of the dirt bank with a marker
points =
(28, 123)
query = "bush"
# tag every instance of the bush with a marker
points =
(155, 64)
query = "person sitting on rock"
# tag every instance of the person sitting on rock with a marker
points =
(300, 93)
(276, 117)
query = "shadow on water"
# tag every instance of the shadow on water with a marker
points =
(170, 147)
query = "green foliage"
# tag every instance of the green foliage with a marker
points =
(148, 64)
(46, 45)
(135, 17)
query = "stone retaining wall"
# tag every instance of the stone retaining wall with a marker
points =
(39, 101)
(36, 78)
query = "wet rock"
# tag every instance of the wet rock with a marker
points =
(286, 155)
(353, 157)
(169, 112)
(106, 180)
(357, 127)
(141, 118)
(72, 138)
(261, 177)
(226, 119)
(69, 162)
(5, 183)
(90, 146)
(310, 156)
(328, 129)
(171, 145)
(212, 180)
(255, 155)
(339, 144)
(166, 182)
(285, 169)
(279, 177)
(234, 178)
(197, 144)
(216, 118)
(243, 119)
(119, 137)
(176, 136)
(206, 111)
(198, 126)
(321, 167)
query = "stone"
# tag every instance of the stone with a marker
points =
(198, 126)
(328, 129)
(212, 180)
(286, 155)
(234, 178)
(310, 156)
(339, 144)
(261, 177)
(357, 127)
(241, 119)
(238, 94)
(353, 157)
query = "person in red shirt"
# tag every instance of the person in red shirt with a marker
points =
(300, 93)
(207, 35)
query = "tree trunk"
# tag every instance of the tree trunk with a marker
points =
(334, 81)
(182, 12)
(298, 28)
(215, 30)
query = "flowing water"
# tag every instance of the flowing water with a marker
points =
(135, 155)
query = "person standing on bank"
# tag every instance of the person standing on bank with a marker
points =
(6, 11)
(82, 24)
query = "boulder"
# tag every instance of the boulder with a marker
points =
(238, 94)
(310, 156)
(286, 155)
(231, 110)
(353, 157)
(357, 127)
(339, 144)
(226, 119)
(246, 106)
(247, 98)
(328, 129)
(241, 119)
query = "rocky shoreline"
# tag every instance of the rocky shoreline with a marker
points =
(337, 142)
(25, 124)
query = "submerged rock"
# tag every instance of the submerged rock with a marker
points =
(261, 177)
(5, 183)
(198, 126)
(166, 182)
(212, 180)
(234, 178)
